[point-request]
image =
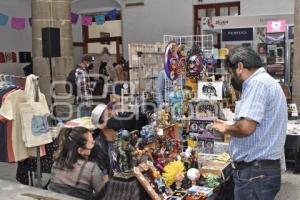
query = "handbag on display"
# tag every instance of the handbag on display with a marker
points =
(35, 127)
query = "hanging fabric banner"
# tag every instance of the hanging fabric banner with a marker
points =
(3, 19)
(100, 19)
(113, 14)
(18, 23)
(30, 21)
(86, 20)
(74, 18)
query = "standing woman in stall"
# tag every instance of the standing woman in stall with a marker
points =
(72, 173)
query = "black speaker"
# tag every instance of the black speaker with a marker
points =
(51, 42)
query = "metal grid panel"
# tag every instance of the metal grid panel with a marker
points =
(205, 42)
(145, 68)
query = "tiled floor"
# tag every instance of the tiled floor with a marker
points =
(289, 190)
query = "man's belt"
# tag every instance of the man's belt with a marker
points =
(256, 163)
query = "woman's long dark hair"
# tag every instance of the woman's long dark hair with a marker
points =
(70, 139)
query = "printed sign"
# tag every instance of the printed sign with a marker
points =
(241, 34)
(276, 26)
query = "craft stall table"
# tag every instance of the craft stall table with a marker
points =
(14, 191)
(292, 144)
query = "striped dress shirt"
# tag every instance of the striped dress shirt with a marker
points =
(263, 101)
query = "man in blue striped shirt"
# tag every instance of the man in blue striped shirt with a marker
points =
(259, 131)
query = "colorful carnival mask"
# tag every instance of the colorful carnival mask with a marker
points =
(194, 63)
(174, 60)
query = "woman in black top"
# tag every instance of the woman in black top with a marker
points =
(71, 172)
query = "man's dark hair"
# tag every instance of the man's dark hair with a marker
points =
(245, 55)
(88, 58)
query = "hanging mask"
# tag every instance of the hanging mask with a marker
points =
(194, 63)
(210, 61)
(171, 61)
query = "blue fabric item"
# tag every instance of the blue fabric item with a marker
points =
(39, 125)
(100, 19)
(263, 101)
(3, 19)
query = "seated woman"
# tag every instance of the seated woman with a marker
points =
(72, 173)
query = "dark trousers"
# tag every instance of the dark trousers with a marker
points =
(257, 182)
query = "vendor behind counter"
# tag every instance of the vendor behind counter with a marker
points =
(105, 134)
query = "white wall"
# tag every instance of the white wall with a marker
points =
(15, 40)
(148, 23)
(266, 7)
(77, 31)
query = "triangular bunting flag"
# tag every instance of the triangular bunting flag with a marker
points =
(113, 14)
(74, 18)
(3, 19)
(100, 19)
(18, 23)
(30, 21)
(86, 20)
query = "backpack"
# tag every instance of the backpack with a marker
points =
(71, 82)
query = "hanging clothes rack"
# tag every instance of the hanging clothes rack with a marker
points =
(20, 82)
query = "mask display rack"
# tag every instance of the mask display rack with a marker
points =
(203, 42)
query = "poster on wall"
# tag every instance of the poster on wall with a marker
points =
(260, 34)
(2, 57)
(291, 33)
(276, 26)
(275, 38)
(210, 90)
(25, 57)
(10, 57)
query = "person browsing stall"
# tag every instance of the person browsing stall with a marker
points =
(72, 173)
(84, 88)
(104, 153)
(259, 132)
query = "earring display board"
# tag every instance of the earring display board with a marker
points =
(145, 62)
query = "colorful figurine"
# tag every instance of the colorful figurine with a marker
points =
(125, 151)
(159, 182)
(178, 180)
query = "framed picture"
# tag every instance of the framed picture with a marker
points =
(262, 48)
(153, 184)
(210, 90)
(10, 57)
(25, 57)
(204, 109)
(201, 132)
(279, 55)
